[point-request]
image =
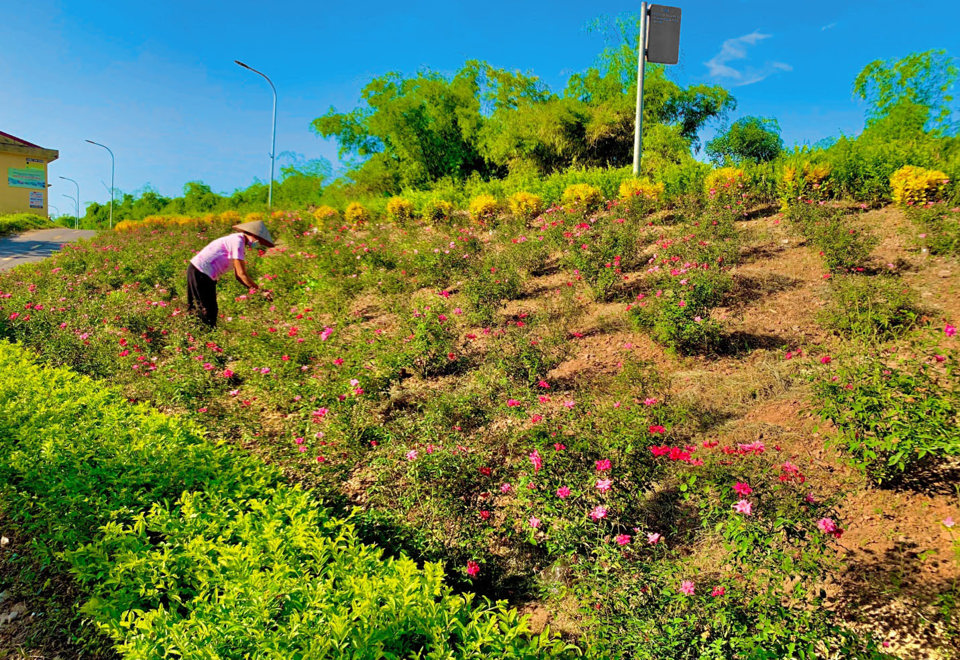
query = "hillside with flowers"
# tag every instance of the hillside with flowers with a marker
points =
(716, 425)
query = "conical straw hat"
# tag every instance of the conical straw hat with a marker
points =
(258, 229)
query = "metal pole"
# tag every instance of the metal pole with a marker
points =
(76, 225)
(641, 61)
(113, 163)
(273, 139)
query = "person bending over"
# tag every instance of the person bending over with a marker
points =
(217, 258)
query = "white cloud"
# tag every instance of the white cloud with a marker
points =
(736, 49)
(828, 26)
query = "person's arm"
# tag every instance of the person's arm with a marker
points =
(240, 271)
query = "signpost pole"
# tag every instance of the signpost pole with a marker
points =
(641, 61)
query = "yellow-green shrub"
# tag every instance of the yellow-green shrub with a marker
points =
(633, 188)
(803, 181)
(525, 205)
(230, 216)
(483, 208)
(582, 196)
(356, 214)
(914, 185)
(724, 178)
(400, 209)
(324, 214)
(438, 210)
(253, 217)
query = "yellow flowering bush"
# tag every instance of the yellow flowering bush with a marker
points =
(356, 214)
(631, 188)
(525, 205)
(914, 185)
(230, 216)
(438, 210)
(582, 196)
(483, 208)
(323, 214)
(253, 217)
(805, 181)
(400, 209)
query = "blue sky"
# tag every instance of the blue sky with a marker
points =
(156, 81)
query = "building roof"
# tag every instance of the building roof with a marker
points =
(12, 144)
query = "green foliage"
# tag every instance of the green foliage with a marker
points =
(843, 245)
(870, 308)
(753, 139)
(893, 418)
(939, 228)
(186, 547)
(17, 222)
(918, 84)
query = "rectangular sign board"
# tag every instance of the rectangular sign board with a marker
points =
(663, 37)
(36, 200)
(26, 177)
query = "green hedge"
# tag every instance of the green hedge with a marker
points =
(17, 222)
(187, 549)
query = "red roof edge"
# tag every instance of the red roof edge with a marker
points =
(21, 140)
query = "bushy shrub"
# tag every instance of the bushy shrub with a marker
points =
(803, 181)
(939, 227)
(582, 197)
(871, 308)
(356, 214)
(913, 185)
(400, 210)
(723, 180)
(893, 417)
(843, 245)
(640, 195)
(17, 222)
(324, 214)
(483, 208)
(488, 287)
(679, 316)
(599, 252)
(438, 210)
(525, 205)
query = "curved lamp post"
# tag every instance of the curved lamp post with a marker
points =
(273, 144)
(113, 163)
(76, 225)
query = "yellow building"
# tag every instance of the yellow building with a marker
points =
(23, 175)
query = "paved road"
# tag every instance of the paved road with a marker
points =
(37, 245)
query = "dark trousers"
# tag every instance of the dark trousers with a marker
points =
(202, 295)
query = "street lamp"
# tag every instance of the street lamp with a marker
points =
(113, 163)
(77, 223)
(273, 146)
(75, 201)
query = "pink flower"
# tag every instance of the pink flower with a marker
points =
(505, 488)
(534, 522)
(227, 373)
(686, 587)
(603, 485)
(653, 538)
(948, 522)
(649, 402)
(234, 392)
(536, 460)
(472, 568)
(598, 513)
(742, 489)
(623, 539)
(809, 498)
(744, 507)
(828, 526)
(325, 335)
(412, 455)
(338, 361)
(569, 404)
(825, 359)
(544, 384)
(718, 591)
(603, 465)
(950, 330)
(512, 403)
(563, 492)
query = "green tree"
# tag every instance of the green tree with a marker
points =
(752, 139)
(914, 87)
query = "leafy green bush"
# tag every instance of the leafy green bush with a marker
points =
(188, 548)
(893, 417)
(939, 227)
(844, 247)
(17, 222)
(871, 308)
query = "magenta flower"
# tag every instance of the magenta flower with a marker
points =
(603, 465)
(412, 455)
(598, 513)
(825, 359)
(536, 460)
(505, 488)
(623, 539)
(686, 587)
(603, 485)
(744, 507)
(742, 489)
(569, 404)
(653, 538)
(325, 335)
(227, 373)
(563, 492)
(950, 330)
(534, 522)
(718, 591)
(472, 568)
(512, 403)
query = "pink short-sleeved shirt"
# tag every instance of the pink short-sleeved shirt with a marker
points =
(216, 259)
